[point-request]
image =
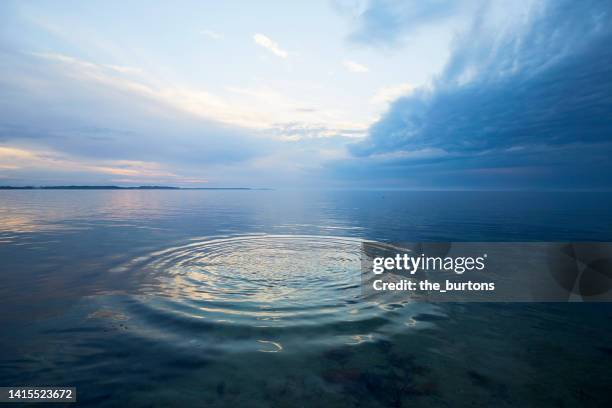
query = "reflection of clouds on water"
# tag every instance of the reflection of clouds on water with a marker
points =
(294, 289)
(29, 212)
(128, 205)
(276, 347)
(19, 220)
(360, 338)
(258, 275)
(319, 227)
(190, 212)
(19, 223)
(33, 211)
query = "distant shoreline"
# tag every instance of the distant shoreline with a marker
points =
(123, 188)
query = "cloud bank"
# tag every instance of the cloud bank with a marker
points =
(526, 104)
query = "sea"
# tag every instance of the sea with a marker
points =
(252, 298)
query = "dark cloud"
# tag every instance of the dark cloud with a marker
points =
(537, 97)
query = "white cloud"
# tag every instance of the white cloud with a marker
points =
(267, 43)
(390, 93)
(261, 108)
(189, 100)
(123, 69)
(17, 158)
(213, 35)
(355, 67)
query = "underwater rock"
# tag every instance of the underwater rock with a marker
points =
(339, 355)
(479, 379)
(342, 376)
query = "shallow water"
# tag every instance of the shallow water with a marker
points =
(252, 298)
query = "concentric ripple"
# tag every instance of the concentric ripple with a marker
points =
(257, 288)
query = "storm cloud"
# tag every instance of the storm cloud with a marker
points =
(528, 104)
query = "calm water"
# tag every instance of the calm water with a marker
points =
(252, 298)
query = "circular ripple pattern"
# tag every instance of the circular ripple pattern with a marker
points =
(260, 289)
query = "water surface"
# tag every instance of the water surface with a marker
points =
(252, 298)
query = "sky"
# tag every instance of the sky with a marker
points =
(335, 94)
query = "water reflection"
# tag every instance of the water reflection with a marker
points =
(269, 285)
(382, 215)
(33, 211)
(125, 295)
